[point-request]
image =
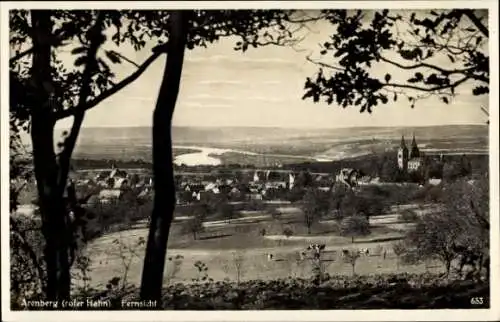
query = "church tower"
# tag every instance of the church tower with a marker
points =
(415, 152)
(403, 155)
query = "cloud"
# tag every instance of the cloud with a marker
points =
(220, 82)
(205, 105)
(235, 59)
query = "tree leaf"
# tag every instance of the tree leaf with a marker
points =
(80, 61)
(387, 78)
(78, 50)
(445, 99)
(451, 58)
(113, 56)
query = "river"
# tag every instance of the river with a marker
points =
(205, 155)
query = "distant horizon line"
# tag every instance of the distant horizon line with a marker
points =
(288, 127)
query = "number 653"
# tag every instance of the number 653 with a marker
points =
(476, 300)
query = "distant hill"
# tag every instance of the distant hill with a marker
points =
(135, 142)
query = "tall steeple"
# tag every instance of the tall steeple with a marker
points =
(403, 155)
(403, 143)
(415, 152)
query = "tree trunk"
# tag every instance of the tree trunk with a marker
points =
(50, 196)
(164, 197)
(448, 266)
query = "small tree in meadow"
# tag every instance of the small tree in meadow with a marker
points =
(399, 250)
(354, 226)
(408, 216)
(195, 224)
(238, 262)
(287, 232)
(314, 205)
(276, 214)
(351, 258)
(227, 212)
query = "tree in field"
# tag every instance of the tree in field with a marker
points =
(288, 232)
(227, 211)
(339, 193)
(195, 224)
(356, 225)
(399, 250)
(314, 205)
(351, 258)
(462, 224)
(371, 202)
(436, 52)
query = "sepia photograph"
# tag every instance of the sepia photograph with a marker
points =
(209, 160)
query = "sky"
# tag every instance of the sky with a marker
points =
(263, 87)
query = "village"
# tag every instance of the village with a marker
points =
(245, 184)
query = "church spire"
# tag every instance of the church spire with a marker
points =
(403, 143)
(415, 152)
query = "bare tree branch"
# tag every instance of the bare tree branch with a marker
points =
(325, 65)
(421, 65)
(126, 59)
(20, 55)
(96, 101)
(475, 20)
(428, 89)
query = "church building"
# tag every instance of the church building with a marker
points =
(409, 161)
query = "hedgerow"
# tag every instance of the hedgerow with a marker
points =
(392, 291)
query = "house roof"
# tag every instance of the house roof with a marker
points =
(119, 182)
(109, 193)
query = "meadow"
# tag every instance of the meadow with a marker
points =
(222, 246)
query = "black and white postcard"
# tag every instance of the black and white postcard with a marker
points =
(250, 161)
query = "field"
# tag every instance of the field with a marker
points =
(222, 244)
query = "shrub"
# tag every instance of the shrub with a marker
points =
(390, 291)
(408, 216)
(287, 232)
(354, 226)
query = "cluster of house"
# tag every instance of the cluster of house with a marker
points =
(261, 185)
(112, 183)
